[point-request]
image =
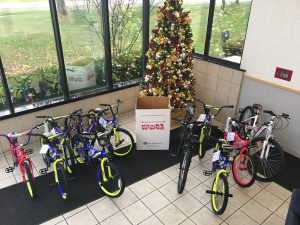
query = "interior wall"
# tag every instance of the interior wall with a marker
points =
(217, 85)
(272, 41)
(27, 121)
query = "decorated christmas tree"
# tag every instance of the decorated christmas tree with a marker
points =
(170, 60)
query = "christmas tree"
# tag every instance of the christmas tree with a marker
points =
(170, 60)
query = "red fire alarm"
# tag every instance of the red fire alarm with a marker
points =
(283, 74)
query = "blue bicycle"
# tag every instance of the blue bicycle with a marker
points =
(120, 138)
(108, 176)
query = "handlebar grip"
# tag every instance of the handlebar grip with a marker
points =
(105, 104)
(230, 106)
(270, 112)
(119, 101)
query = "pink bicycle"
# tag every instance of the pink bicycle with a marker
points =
(21, 159)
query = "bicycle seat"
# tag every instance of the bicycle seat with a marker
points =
(257, 106)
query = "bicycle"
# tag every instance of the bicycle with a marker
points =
(20, 159)
(206, 128)
(187, 141)
(56, 149)
(269, 157)
(24, 90)
(120, 138)
(108, 174)
(221, 158)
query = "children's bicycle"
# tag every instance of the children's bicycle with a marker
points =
(267, 152)
(243, 170)
(120, 138)
(108, 175)
(185, 149)
(206, 128)
(21, 159)
(56, 149)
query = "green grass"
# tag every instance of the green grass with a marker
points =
(27, 39)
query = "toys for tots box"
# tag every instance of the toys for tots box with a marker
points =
(152, 123)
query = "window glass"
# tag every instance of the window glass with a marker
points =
(3, 103)
(199, 15)
(81, 30)
(28, 54)
(126, 24)
(229, 29)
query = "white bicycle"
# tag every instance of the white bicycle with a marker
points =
(266, 151)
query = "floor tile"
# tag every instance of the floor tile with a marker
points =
(159, 179)
(197, 172)
(4, 175)
(230, 209)
(137, 212)
(153, 220)
(256, 211)
(142, 188)
(98, 200)
(117, 218)
(103, 209)
(170, 191)
(239, 198)
(191, 182)
(187, 222)
(83, 217)
(279, 191)
(172, 171)
(274, 220)
(262, 184)
(155, 201)
(62, 223)
(188, 204)
(54, 221)
(250, 191)
(171, 215)
(200, 194)
(205, 217)
(7, 182)
(268, 200)
(282, 210)
(73, 212)
(240, 218)
(126, 199)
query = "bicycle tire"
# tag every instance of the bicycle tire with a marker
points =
(112, 187)
(244, 115)
(243, 170)
(183, 169)
(28, 178)
(220, 208)
(63, 183)
(122, 150)
(267, 169)
(203, 142)
(69, 154)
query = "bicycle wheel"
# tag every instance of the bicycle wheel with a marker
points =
(28, 178)
(110, 180)
(122, 142)
(203, 142)
(247, 112)
(243, 170)
(69, 154)
(219, 198)
(79, 155)
(184, 168)
(270, 167)
(62, 181)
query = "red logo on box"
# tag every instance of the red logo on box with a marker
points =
(283, 74)
(153, 126)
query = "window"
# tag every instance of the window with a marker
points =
(199, 15)
(4, 110)
(229, 29)
(126, 23)
(29, 56)
(82, 38)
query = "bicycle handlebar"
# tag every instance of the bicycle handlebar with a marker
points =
(208, 107)
(284, 115)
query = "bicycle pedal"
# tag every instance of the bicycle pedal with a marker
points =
(207, 173)
(29, 151)
(43, 171)
(9, 169)
(230, 195)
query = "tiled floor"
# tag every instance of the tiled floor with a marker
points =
(155, 200)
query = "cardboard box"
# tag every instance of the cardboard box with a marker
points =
(152, 123)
